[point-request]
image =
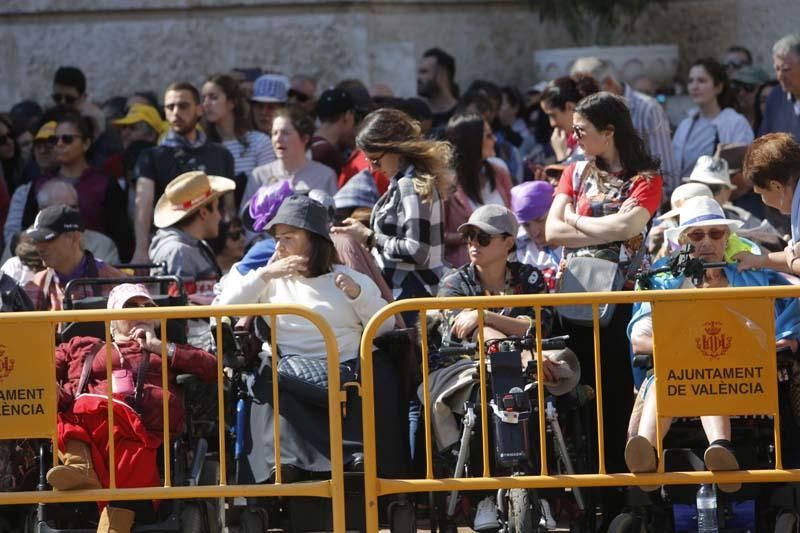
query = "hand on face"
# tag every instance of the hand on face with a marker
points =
(292, 265)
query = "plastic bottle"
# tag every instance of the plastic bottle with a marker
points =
(707, 521)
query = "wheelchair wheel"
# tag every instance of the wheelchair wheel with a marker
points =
(253, 521)
(521, 515)
(194, 517)
(623, 523)
(403, 518)
(787, 522)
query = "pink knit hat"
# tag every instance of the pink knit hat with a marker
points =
(121, 294)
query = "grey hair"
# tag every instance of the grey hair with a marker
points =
(786, 44)
(599, 69)
(55, 192)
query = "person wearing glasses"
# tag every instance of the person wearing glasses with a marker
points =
(102, 203)
(735, 58)
(704, 226)
(406, 231)
(69, 94)
(138, 418)
(745, 83)
(478, 180)
(602, 208)
(492, 270)
(229, 244)
(714, 120)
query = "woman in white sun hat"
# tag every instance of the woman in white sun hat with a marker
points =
(702, 224)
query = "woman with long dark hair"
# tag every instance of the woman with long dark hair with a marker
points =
(714, 120)
(226, 120)
(407, 227)
(478, 181)
(558, 102)
(602, 208)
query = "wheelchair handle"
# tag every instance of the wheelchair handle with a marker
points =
(81, 282)
(526, 342)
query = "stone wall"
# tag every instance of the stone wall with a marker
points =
(127, 45)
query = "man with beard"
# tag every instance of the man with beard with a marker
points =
(435, 83)
(183, 149)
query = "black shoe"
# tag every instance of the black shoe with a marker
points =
(357, 464)
(289, 474)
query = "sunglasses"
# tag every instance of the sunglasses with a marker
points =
(297, 95)
(738, 87)
(235, 235)
(376, 163)
(66, 139)
(64, 98)
(134, 305)
(733, 65)
(578, 131)
(481, 237)
(4, 138)
(698, 234)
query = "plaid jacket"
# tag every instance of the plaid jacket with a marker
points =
(409, 235)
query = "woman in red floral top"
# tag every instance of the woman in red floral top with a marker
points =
(602, 207)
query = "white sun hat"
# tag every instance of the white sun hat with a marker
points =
(701, 212)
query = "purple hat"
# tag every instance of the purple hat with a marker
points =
(265, 203)
(531, 200)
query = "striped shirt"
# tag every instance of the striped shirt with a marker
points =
(256, 152)
(409, 235)
(651, 121)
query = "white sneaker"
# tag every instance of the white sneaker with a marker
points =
(547, 521)
(486, 517)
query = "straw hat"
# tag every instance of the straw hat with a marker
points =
(186, 194)
(699, 212)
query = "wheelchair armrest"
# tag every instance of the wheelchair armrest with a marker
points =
(185, 379)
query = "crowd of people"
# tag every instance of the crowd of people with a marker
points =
(252, 187)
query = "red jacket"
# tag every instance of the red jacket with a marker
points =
(187, 360)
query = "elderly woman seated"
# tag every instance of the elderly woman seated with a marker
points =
(704, 226)
(305, 271)
(138, 421)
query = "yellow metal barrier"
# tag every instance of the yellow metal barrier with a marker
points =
(28, 348)
(743, 297)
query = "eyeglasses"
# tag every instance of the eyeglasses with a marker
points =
(698, 234)
(376, 163)
(235, 235)
(4, 138)
(483, 238)
(578, 131)
(133, 305)
(65, 98)
(66, 139)
(733, 65)
(746, 87)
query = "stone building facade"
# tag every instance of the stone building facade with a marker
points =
(127, 45)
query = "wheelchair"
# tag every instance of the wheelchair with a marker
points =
(192, 461)
(513, 419)
(755, 507)
(241, 345)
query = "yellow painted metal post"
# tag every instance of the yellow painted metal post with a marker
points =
(276, 427)
(165, 404)
(335, 425)
(223, 464)
(598, 378)
(540, 389)
(112, 466)
(426, 399)
(368, 423)
(484, 408)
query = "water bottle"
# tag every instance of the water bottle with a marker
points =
(707, 509)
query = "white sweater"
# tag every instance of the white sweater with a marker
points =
(297, 335)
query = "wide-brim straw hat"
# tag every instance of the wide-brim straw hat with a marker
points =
(186, 194)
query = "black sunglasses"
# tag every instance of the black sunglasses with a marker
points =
(65, 98)
(133, 305)
(4, 138)
(743, 87)
(483, 238)
(66, 139)
(297, 95)
(235, 235)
